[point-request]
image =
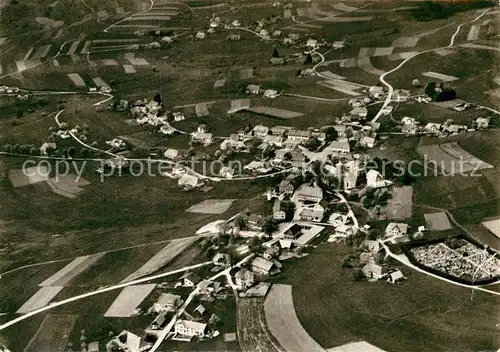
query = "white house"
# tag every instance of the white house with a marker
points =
(432, 127)
(190, 328)
(373, 271)
(311, 43)
(308, 193)
(244, 279)
(201, 35)
(408, 120)
(226, 172)
(345, 230)
(205, 138)
(482, 122)
(167, 302)
(396, 229)
(359, 111)
(253, 89)
(337, 219)
(190, 279)
(262, 266)
(188, 181)
(273, 140)
(128, 342)
(401, 95)
(260, 131)
(395, 277)
(270, 93)
(278, 212)
(368, 142)
(374, 179)
(299, 135)
(376, 91)
(340, 146)
(311, 214)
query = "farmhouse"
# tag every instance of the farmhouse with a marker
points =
(270, 93)
(190, 279)
(234, 36)
(260, 131)
(368, 142)
(286, 187)
(190, 328)
(376, 91)
(299, 135)
(277, 61)
(231, 143)
(221, 259)
(46, 147)
(345, 230)
(311, 43)
(293, 232)
(171, 154)
(374, 179)
(263, 266)
(278, 130)
(395, 277)
(201, 35)
(226, 172)
(159, 321)
(337, 219)
(188, 181)
(205, 138)
(359, 112)
(127, 341)
(278, 212)
(408, 120)
(178, 116)
(401, 95)
(253, 89)
(271, 252)
(276, 33)
(311, 214)
(167, 302)
(433, 128)
(482, 122)
(340, 146)
(396, 229)
(308, 193)
(273, 140)
(244, 279)
(373, 271)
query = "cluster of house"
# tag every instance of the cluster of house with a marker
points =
(412, 127)
(254, 89)
(150, 113)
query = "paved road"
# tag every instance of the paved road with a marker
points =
(391, 88)
(96, 292)
(181, 310)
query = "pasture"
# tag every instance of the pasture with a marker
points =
(40, 299)
(162, 258)
(493, 226)
(275, 112)
(211, 206)
(335, 309)
(72, 270)
(437, 221)
(399, 207)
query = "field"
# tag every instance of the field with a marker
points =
(283, 322)
(40, 299)
(437, 221)
(335, 310)
(53, 333)
(70, 271)
(128, 300)
(355, 347)
(493, 226)
(162, 258)
(253, 331)
(212, 206)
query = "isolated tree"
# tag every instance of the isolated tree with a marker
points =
(157, 98)
(34, 151)
(241, 221)
(6, 148)
(19, 113)
(312, 144)
(289, 208)
(358, 275)
(331, 134)
(269, 225)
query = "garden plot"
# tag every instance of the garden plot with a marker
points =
(399, 207)
(128, 300)
(440, 76)
(53, 333)
(28, 54)
(77, 79)
(72, 270)
(67, 185)
(283, 322)
(162, 258)
(31, 175)
(360, 346)
(437, 221)
(493, 226)
(211, 206)
(86, 47)
(220, 83)
(129, 69)
(40, 299)
(405, 42)
(365, 64)
(275, 112)
(42, 52)
(246, 73)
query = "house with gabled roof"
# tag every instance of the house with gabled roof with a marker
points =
(311, 214)
(190, 328)
(309, 193)
(167, 302)
(340, 146)
(243, 279)
(397, 229)
(278, 211)
(260, 131)
(190, 279)
(374, 179)
(373, 271)
(128, 342)
(263, 266)
(337, 219)
(433, 128)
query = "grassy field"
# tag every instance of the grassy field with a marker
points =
(419, 315)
